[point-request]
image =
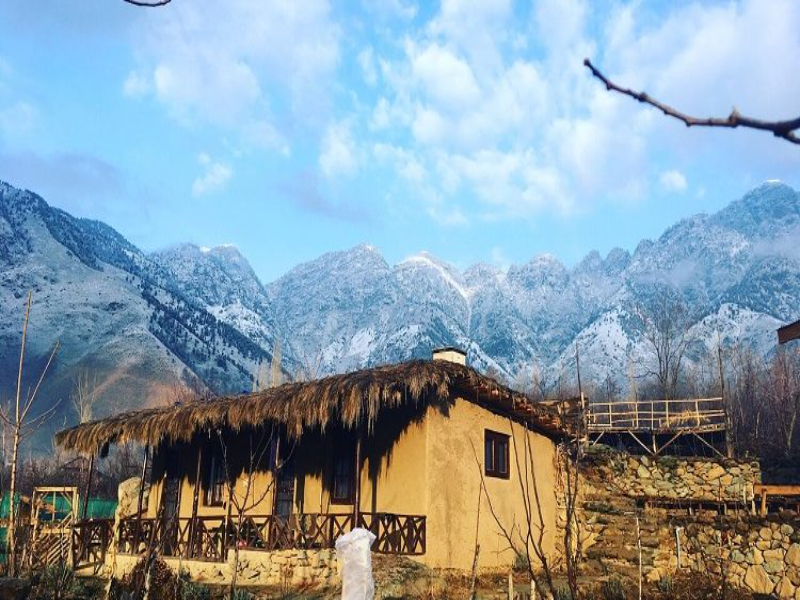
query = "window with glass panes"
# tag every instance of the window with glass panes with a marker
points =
(496, 454)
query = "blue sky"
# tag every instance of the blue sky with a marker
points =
(467, 129)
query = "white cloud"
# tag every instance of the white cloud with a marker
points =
(476, 28)
(444, 77)
(673, 181)
(521, 132)
(214, 178)
(406, 163)
(338, 154)
(231, 64)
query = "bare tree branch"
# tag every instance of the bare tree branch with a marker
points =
(782, 129)
(146, 4)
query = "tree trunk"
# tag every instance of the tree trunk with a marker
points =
(11, 553)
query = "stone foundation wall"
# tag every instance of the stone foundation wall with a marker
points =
(295, 568)
(757, 553)
(753, 552)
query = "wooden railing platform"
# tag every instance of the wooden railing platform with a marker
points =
(658, 425)
(696, 414)
(210, 538)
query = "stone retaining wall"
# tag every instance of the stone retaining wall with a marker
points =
(753, 552)
(673, 478)
(757, 553)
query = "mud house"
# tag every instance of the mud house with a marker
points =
(401, 449)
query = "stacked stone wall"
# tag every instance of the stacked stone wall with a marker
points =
(673, 478)
(698, 508)
(280, 568)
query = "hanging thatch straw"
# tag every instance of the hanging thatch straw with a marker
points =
(350, 399)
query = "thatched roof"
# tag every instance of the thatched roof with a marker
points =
(349, 399)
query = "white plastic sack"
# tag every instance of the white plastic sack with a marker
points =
(352, 550)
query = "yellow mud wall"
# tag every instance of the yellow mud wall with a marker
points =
(393, 476)
(455, 458)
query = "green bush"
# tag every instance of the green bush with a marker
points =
(665, 585)
(58, 582)
(521, 562)
(165, 584)
(613, 589)
(562, 592)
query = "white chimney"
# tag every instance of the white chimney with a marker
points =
(450, 354)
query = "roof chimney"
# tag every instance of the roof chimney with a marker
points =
(450, 354)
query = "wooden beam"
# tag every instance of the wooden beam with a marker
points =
(88, 488)
(790, 332)
(195, 500)
(357, 480)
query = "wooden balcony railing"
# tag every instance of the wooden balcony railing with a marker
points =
(697, 414)
(90, 541)
(210, 538)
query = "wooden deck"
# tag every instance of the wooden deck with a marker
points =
(655, 425)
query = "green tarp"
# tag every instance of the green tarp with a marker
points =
(97, 508)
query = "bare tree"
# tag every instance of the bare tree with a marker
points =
(783, 129)
(783, 398)
(665, 328)
(310, 369)
(275, 372)
(764, 397)
(526, 537)
(262, 445)
(84, 395)
(22, 424)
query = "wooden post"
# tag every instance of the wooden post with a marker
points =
(728, 426)
(357, 480)
(584, 434)
(140, 500)
(510, 585)
(88, 488)
(195, 502)
(533, 589)
(639, 548)
(276, 474)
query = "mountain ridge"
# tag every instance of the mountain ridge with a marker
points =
(190, 312)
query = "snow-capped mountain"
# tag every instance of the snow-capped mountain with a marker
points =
(115, 311)
(145, 320)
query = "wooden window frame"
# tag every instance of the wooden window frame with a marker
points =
(348, 453)
(214, 492)
(496, 439)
